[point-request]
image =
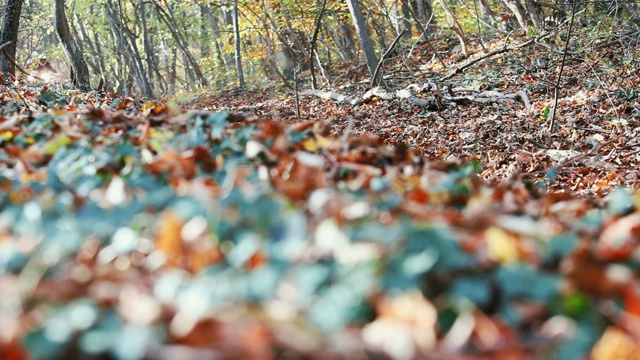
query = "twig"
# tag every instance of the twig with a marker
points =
(295, 86)
(475, 9)
(552, 49)
(468, 64)
(382, 58)
(552, 125)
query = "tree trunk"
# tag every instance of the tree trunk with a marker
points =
(345, 52)
(84, 34)
(167, 17)
(150, 57)
(79, 69)
(10, 34)
(365, 39)
(518, 11)
(534, 15)
(236, 38)
(128, 40)
(205, 20)
(402, 13)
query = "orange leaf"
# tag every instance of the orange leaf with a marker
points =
(615, 344)
(169, 240)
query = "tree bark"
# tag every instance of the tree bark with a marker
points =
(365, 39)
(79, 69)
(10, 29)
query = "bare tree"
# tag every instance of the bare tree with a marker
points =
(166, 16)
(365, 39)
(128, 45)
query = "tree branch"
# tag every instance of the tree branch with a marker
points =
(386, 53)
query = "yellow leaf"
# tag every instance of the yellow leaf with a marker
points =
(309, 145)
(6, 135)
(148, 105)
(57, 142)
(325, 143)
(503, 246)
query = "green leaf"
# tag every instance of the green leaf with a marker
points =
(217, 121)
(47, 99)
(524, 282)
(476, 289)
(620, 202)
(41, 347)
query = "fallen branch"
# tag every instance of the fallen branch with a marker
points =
(330, 95)
(470, 63)
(438, 101)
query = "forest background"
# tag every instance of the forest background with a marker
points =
(158, 48)
(448, 179)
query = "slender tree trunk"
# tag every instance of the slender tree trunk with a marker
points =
(365, 39)
(94, 65)
(150, 57)
(236, 38)
(166, 17)
(346, 53)
(79, 69)
(10, 29)
(128, 40)
(172, 70)
(402, 13)
(205, 20)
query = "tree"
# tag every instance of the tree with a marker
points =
(236, 37)
(10, 35)
(79, 69)
(365, 39)
(127, 44)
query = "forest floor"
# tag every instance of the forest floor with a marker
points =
(593, 148)
(228, 228)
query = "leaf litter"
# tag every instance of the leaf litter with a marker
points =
(132, 228)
